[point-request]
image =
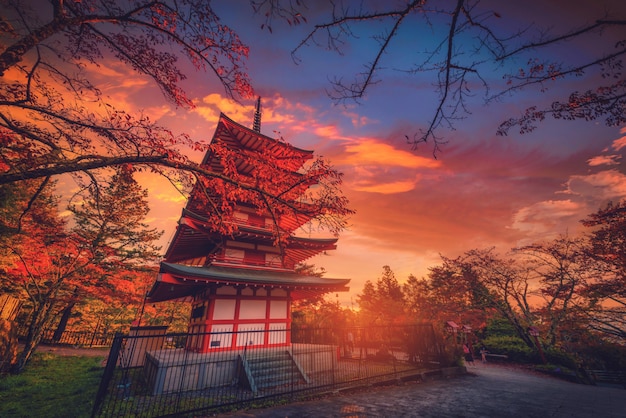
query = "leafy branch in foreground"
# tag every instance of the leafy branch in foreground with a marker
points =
(54, 118)
(478, 48)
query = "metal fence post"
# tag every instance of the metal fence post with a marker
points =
(108, 372)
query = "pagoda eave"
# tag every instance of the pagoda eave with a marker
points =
(194, 238)
(176, 281)
(239, 136)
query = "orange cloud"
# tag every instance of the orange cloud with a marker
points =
(357, 119)
(620, 143)
(370, 151)
(604, 160)
(353, 245)
(605, 185)
(387, 188)
(327, 131)
(544, 218)
(210, 107)
(161, 190)
(275, 110)
(122, 88)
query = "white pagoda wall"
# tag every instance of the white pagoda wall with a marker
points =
(233, 318)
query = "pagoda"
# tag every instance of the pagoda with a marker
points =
(241, 282)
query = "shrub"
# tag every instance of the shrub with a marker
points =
(452, 356)
(499, 327)
(602, 355)
(513, 347)
(557, 357)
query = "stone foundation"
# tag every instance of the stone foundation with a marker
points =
(177, 370)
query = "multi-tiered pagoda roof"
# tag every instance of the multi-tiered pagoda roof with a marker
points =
(201, 256)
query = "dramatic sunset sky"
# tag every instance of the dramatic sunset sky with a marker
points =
(481, 191)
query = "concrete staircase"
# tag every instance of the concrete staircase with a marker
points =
(277, 368)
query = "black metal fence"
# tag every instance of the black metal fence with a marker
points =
(74, 338)
(154, 375)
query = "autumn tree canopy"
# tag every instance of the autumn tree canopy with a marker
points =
(52, 264)
(54, 118)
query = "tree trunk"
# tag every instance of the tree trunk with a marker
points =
(67, 312)
(8, 344)
(40, 319)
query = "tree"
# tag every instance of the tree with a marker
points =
(506, 288)
(37, 260)
(115, 311)
(562, 269)
(45, 92)
(54, 266)
(54, 119)
(417, 298)
(464, 44)
(322, 313)
(608, 246)
(456, 294)
(109, 222)
(540, 285)
(382, 303)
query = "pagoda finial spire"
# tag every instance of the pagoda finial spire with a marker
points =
(257, 116)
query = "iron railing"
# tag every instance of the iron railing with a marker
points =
(74, 338)
(154, 375)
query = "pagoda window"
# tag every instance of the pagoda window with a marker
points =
(269, 223)
(198, 312)
(239, 244)
(267, 249)
(240, 217)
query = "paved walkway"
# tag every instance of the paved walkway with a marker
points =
(486, 391)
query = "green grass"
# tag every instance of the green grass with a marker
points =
(51, 386)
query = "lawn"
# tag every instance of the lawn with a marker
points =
(52, 386)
